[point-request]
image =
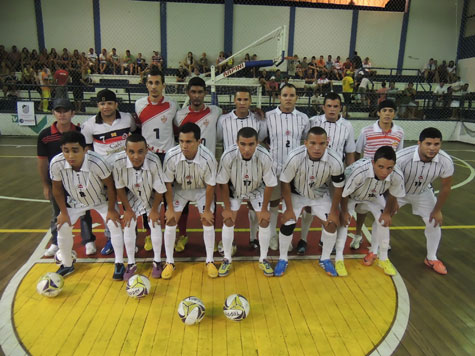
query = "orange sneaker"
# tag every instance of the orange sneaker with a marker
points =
(436, 265)
(369, 259)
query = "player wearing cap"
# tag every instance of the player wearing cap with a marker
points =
(83, 174)
(191, 168)
(246, 173)
(304, 178)
(140, 171)
(47, 147)
(285, 129)
(421, 165)
(372, 185)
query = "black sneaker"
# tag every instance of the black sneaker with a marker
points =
(64, 271)
(254, 244)
(119, 270)
(301, 247)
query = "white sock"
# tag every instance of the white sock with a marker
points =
(374, 240)
(170, 235)
(129, 242)
(65, 243)
(433, 236)
(342, 233)
(156, 236)
(307, 219)
(227, 236)
(274, 214)
(328, 240)
(381, 237)
(264, 238)
(253, 224)
(284, 242)
(208, 236)
(117, 240)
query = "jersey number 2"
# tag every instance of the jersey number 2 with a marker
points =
(287, 144)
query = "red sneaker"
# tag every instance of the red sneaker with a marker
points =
(369, 259)
(436, 265)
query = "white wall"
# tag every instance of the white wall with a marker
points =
(322, 32)
(18, 24)
(194, 27)
(466, 69)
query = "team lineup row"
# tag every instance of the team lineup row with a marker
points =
(310, 178)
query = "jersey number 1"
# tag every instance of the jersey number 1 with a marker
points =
(157, 133)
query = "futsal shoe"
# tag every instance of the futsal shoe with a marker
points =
(148, 243)
(369, 259)
(254, 244)
(356, 242)
(436, 265)
(266, 268)
(167, 272)
(280, 268)
(387, 267)
(212, 270)
(181, 243)
(64, 271)
(51, 251)
(274, 243)
(119, 270)
(301, 247)
(91, 248)
(225, 268)
(156, 269)
(340, 268)
(327, 265)
(108, 249)
(130, 271)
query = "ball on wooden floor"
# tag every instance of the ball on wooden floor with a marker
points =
(138, 286)
(58, 258)
(236, 307)
(191, 310)
(50, 285)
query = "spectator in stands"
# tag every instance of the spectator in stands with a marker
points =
(429, 70)
(457, 84)
(338, 69)
(356, 61)
(78, 82)
(114, 60)
(451, 71)
(255, 70)
(92, 60)
(157, 60)
(35, 58)
(284, 82)
(347, 65)
(367, 67)
(263, 78)
(299, 72)
(321, 66)
(61, 78)
(204, 64)
(28, 75)
(45, 80)
(128, 63)
(381, 92)
(5, 76)
(292, 62)
(272, 88)
(221, 57)
(329, 67)
(24, 58)
(41, 60)
(189, 62)
(324, 85)
(440, 97)
(76, 56)
(53, 59)
(278, 76)
(304, 64)
(458, 101)
(197, 73)
(347, 87)
(363, 88)
(14, 57)
(104, 62)
(408, 102)
(310, 79)
(393, 92)
(3, 53)
(64, 58)
(442, 72)
(248, 71)
(181, 75)
(230, 62)
(140, 64)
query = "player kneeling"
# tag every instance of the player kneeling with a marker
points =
(83, 175)
(368, 183)
(246, 173)
(140, 171)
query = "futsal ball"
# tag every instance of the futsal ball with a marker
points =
(221, 250)
(58, 258)
(236, 307)
(138, 286)
(191, 310)
(50, 285)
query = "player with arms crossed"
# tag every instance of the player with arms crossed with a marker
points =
(191, 168)
(83, 174)
(246, 173)
(140, 171)
(304, 177)
(372, 186)
(421, 165)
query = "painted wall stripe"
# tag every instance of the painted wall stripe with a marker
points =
(96, 12)
(40, 31)
(354, 31)
(403, 38)
(228, 26)
(163, 31)
(290, 47)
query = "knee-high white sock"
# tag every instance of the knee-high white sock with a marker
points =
(274, 214)
(307, 219)
(156, 236)
(65, 244)
(129, 241)
(227, 236)
(342, 233)
(170, 235)
(208, 236)
(433, 236)
(253, 224)
(264, 238)
(284, 242)
(328, 240)
(374, 240)
(117, 240)
(381, 237)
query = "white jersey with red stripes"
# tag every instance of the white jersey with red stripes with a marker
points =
(372, 137)
(206, 119)
(156, 120)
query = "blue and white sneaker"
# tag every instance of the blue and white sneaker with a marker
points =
(119, 270)
(327, 265)
(64, 271)
(108, 249)
(280, 268)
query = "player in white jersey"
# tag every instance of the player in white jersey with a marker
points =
(140, 171)
(286, 127)
(206, 117)
(304, 179)
(371, 186)
(246, 173)
(383, 132)
(341, 138)
(156, 113)
(191, 168)
(83, 175)
(421, 165)
(228, 126)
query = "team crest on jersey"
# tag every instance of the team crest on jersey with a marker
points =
(246, 176)
(80, 186)
(287, 133)
(206, 123)
(137, 185)
(164, 119)
(421, 177)
(312, 177)
(177, 202)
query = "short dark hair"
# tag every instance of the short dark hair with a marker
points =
(430, 132)
(135, 137)
(317, 130)
(287, 85)
(191, 127)
(247, 132)
(242, 90)
(386, 152)
(73, 137)
(388, 103)
(196, 81)
(155, 71)
(331, 96)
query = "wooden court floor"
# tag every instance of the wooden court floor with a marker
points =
(442, 309)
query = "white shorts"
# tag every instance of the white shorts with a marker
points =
(320, 207)
(277, 191)
(255, 197)
(182, 197)
(375, 207)
(422, 203)
(76, 213)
